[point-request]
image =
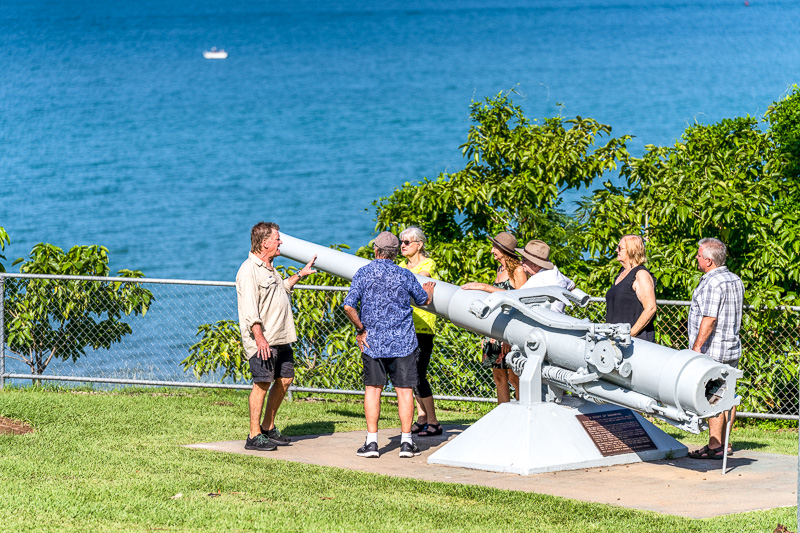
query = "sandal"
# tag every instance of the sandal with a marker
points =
(416, 427)
(431, 430)
(707, 453)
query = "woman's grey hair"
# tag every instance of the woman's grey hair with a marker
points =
(713, 249)
(413, 233)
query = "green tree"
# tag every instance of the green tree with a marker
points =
(784, 127)
(721, 180)
(47, 319)
(4, 240)
(516, 172)
(219, 350)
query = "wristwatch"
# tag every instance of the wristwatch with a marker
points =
(360, 331)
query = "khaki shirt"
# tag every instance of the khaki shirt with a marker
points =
(263, 297)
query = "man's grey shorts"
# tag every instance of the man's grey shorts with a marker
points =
(733, 362)
(280, 364)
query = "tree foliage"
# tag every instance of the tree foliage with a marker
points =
(725, 180)
(515, 172)
(219, 350)
(4, 240)
(47, 319)
(783, 118)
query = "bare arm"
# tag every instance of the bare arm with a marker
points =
(303, 272)
(518, 278)
(476, 286)
(646, 293)
(261, 342)
(428, 286)
(361, 338)
(706, 329)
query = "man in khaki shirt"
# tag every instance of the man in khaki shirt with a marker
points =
(267, 327)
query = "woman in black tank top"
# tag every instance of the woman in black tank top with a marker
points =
(632, 297)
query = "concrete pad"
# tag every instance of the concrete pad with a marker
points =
(684, 487)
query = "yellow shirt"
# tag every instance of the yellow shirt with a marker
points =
(424, 322)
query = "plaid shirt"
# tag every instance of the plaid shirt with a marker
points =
(720, 294)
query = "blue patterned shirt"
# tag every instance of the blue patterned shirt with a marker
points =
(384, 291)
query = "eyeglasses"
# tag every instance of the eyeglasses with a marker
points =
(406, 243)
(620, 248)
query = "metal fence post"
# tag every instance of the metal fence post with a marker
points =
(2, 331)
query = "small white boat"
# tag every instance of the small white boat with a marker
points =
(215, 54)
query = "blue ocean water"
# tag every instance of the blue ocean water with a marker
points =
(114, 130)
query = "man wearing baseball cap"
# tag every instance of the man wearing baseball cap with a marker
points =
(385, 334)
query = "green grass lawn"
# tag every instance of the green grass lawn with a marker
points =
(114, 460)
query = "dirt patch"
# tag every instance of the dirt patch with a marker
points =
(9, 426)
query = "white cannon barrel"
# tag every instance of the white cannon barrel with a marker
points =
(602, 359)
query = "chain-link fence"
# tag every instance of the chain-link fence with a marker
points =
(146, 332)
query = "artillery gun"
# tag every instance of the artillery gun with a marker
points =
(610, 376)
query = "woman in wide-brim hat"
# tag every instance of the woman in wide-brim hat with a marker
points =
(510, 275)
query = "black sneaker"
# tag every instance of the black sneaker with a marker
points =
(260, 442)
(368, 450)
(276, 437)
(409, 449)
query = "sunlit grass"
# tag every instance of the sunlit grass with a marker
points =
(114, 460)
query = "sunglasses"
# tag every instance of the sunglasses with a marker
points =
(406, 243)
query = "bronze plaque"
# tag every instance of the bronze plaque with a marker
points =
(616, 432)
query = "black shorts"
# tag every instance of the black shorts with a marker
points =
(402, 371)
(280, 364)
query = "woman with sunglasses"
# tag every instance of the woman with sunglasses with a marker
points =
(412, 246)
(510, 275)
(632, 297)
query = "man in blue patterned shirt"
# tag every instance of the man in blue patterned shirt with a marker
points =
(715, 318)
(385, 334)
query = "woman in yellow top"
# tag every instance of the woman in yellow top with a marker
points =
(412, 246)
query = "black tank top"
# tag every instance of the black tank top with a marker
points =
(623, 306)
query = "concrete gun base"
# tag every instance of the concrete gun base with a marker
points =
(550, 437)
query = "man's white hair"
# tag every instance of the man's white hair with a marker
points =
(713, 249)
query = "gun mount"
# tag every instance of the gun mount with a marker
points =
(596, 362)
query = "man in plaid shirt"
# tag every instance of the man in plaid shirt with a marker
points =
(715, 318)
